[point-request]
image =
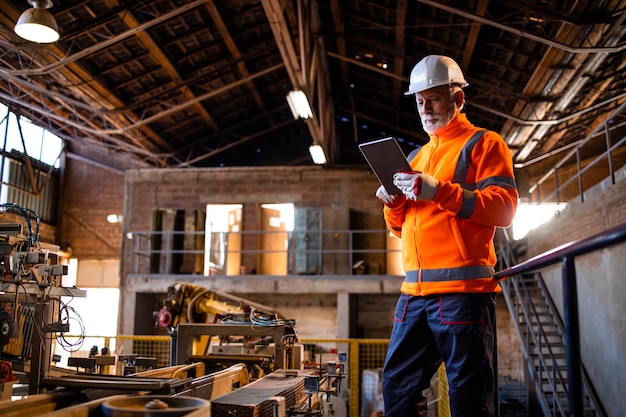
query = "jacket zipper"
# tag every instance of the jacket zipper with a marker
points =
(418, 255)
(415, 226)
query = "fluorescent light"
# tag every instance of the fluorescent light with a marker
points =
(37, 24)
(317, 153)
(299, 104)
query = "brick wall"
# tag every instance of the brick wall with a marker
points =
(341, 194)
(194, 188)
(89, 194)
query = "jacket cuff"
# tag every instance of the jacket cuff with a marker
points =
(397, 204)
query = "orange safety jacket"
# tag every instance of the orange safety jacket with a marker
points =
(447, 243)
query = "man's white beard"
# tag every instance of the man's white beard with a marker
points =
(438, 122)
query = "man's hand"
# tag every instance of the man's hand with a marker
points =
(386, 198)
(416, 185)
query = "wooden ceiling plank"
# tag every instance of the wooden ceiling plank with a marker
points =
(170, 69)
(234, 51)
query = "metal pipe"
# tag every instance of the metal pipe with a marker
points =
(524, 122)
(579, 174)
(572, 337)
(27, 161)
(99, 46)
(617, 111)
(152, 118)
(575, 248)
(558, 45)
(581, 190)
(570, 116)
(6, 119)
(556, 185)
(607, 136)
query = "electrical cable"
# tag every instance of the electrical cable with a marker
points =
(33, 238)
(70, 315)
(63, 341)
(264, 319)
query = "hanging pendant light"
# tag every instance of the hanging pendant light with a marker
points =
(38, 24)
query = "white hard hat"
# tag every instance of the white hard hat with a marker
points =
(433, 71)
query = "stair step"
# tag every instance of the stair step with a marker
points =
(561, 392)
(546, 326)
(549, 334)
(551, 339)
(561, 363)
(548, 354)
(557, 359)
(547, 361)
(588, 409)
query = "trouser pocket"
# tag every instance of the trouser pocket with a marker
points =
(473, 308)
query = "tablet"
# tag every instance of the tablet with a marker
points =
(385, 158)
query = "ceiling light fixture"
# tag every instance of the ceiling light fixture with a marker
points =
(317, 153)
(299, 104)
(38, 24)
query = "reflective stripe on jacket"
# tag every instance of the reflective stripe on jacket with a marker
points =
(447, 243)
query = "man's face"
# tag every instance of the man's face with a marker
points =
(436, 107)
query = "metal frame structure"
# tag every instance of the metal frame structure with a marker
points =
(183, 337)
(566, 255)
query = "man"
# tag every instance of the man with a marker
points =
(460, 189)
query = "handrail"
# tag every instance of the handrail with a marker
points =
(572, 249)
(576, 152)
(566, 254)
(335, 251)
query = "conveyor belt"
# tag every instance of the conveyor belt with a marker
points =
(117, 382)
(253, 400)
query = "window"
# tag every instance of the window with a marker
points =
(40, 144)
(29, 165)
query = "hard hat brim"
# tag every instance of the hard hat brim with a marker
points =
(462, 85)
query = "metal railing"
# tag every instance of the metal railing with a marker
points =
(566, 255)
(328, 252)
(576, 153)
(534, 316)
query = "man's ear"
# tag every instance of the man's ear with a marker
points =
(459, 98)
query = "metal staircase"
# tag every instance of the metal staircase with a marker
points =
(542, 338)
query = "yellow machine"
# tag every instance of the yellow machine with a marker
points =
(220, 329)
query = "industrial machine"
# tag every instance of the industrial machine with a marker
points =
(220, 329)
(229, 356)
(32, 312)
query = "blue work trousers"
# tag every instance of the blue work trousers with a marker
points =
(457, 329)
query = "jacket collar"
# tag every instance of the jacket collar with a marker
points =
(456, 128)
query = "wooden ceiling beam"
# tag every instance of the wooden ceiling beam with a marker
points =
(148, 42)
(399, 52)
(293, 61)
(472, 37)
(234, 51)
